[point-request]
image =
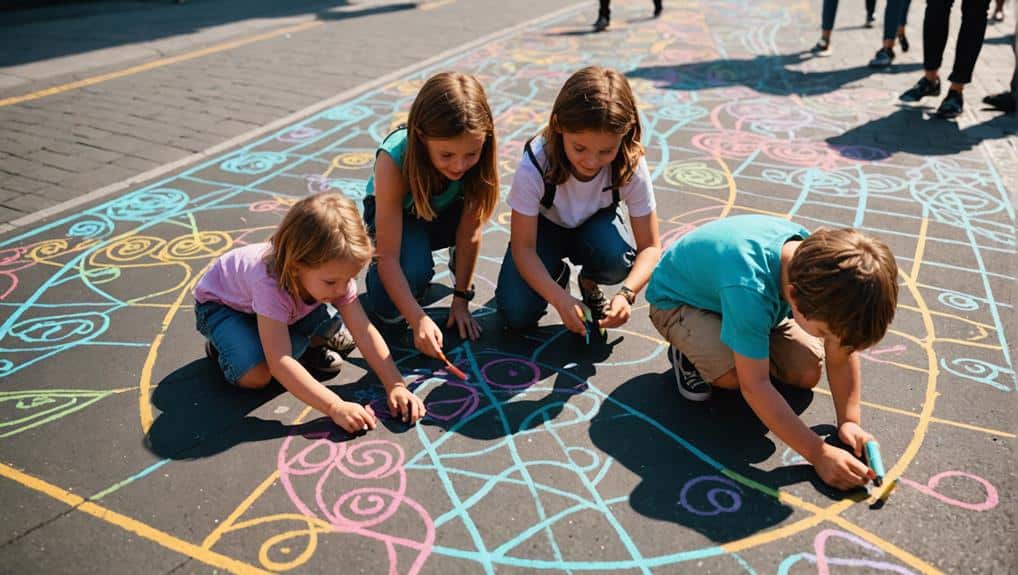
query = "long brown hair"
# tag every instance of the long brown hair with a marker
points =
(449, 105)
(848, 280)
(594, 99)
(317, 229)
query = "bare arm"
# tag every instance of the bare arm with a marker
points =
(844, 374)
(468, 245)
(389, 193)
(275, 338)
(400, 400)
(648, 250)
(835, 466)
(773, 410)
(523, 238)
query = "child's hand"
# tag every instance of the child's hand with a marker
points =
(838, 468)
(353, 417)
(459, 315)
(618, 312)
(405, 405)
(428, 337)
(854, 436)
(569, 310)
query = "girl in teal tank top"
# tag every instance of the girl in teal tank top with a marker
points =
(434, 186)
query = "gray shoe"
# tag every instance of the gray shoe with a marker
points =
(691, 384)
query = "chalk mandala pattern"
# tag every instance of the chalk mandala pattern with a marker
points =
(742, 135)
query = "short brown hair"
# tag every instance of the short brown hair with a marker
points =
(847, 280)
(594, 99)
(315, 230)
(449, 105)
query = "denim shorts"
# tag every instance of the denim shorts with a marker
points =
(235, 336)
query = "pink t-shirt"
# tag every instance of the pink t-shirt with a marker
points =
(240, 280)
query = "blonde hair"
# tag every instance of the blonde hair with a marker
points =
(598, 99)
(317, 229)
(847, 280)
(449, 105)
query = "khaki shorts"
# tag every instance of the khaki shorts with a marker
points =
(697, 334)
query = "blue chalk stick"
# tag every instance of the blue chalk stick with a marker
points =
(876, 464)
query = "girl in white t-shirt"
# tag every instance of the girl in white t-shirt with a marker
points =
(566, 201)
(258, 304)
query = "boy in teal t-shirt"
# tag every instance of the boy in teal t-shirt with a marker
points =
(749, 296)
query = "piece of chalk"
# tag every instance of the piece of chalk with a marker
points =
(456, 371)
(875, 463)
(887, 491)
(365, 428)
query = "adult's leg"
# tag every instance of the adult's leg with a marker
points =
(935, 28)
(970, 41)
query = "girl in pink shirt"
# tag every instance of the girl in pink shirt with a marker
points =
(259, 304)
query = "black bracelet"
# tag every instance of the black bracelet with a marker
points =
(467, 295)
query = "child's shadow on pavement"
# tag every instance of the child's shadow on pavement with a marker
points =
(697, 462)
(201, 415)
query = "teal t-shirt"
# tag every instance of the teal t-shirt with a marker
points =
(395, 146)
(732, 267)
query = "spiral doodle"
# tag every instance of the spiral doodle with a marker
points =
(299, 135)
(979, 371)
(958, 301)
(145, 205)
(204, 244)
(957, 200)
(253, 163)
(732, 492)
(347, 113)
(696, 175)
(730, 144)
(128, 248)
(90, 228)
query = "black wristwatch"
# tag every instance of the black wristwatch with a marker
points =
(464, 295)
(627, 293)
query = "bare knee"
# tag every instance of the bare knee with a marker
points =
(728, 380)
(256, 378)
(807, 378)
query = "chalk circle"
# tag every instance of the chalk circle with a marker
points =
(958, 301)
(511, 373)
(592, 459)
(695, 174)
(253, 163)
(862, 153)
(90, 228)
(731, 492)
(347, 113)
(729, 144)
(48, 249)
(770, 114)
(203, 244)
(353, 160)
(680, 112)
(127, 249)
(957, 200)
(826, 182)
(991, 500)
(145, 205)
(59, 331)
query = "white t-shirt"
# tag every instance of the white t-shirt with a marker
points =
(576, 201)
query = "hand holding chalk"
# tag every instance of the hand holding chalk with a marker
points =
(874, 461)
(452, 368)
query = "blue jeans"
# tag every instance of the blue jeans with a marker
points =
(419, 239)
(234, 334)
(895, 14)
(602, 246)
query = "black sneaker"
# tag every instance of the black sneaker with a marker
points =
(657, 8)
(601, 24)
(322, 359)
(903, 42)
(951, 107)
(1004, 102)
(594, 298)
(822, 48)
(921, 89)
(883, 58)
(690, 383)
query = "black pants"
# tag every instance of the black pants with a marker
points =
(605, 10)
(970, 37)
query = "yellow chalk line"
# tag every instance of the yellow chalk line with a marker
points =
(162, 538)
(156, 64)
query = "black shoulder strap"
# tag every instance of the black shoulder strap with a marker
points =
(549, 188)
(394, 130)
(614, 187)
